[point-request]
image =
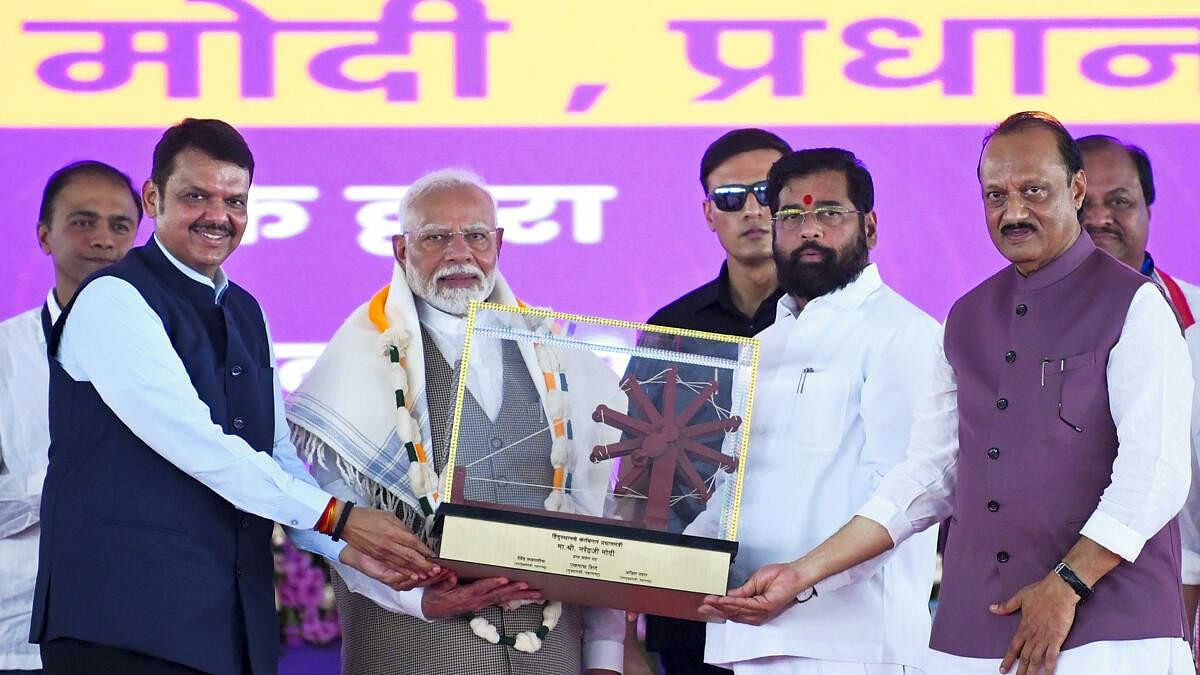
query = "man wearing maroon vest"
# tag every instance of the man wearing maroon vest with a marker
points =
(1116, 214)
(1054, 437)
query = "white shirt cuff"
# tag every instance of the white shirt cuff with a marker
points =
(833, 583)
(1113, 535)
(893, 518)
(401, 602)
(604, 654)
(304, 507)
(315, 542)
(1191, 568)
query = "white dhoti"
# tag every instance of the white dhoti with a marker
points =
(1156, 656)
(795, 665)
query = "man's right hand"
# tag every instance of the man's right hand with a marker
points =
(441, 602)
(769, 591)
(382, 536)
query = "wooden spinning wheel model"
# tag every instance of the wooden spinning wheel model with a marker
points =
(663, 444)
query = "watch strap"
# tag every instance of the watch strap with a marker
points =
(1064, 572)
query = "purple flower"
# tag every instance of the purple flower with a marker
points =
(303, 596)
(292, 635)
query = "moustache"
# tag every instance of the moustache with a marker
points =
(461, 269)
(826, 252)
(209, 226)
(1113, 232)
(1023, 225)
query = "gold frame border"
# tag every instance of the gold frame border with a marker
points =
(752, 343)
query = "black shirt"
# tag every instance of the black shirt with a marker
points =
(710, 308)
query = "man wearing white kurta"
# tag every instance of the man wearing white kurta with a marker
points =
(345, 415)
(839, 374)
(1062, 460)
(1116, 214)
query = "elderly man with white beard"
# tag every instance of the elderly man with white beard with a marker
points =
(367, 437)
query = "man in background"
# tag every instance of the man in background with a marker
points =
(740, 301)
(1116, 213)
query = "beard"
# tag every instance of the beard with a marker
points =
(834, 271)
(453, 301)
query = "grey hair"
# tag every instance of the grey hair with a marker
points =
(432, 182)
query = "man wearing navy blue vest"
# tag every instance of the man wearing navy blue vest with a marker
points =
(1054, 437)
(169, 454)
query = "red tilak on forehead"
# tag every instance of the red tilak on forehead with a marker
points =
(807, 200)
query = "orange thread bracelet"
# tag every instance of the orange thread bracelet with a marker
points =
(326, 522)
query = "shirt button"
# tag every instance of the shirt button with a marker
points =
(295, 523)
(1001, 404)
(1002, 557)
(993, 506)
(993, 453)
(496, 442)
(235, 371)
(245, 522)
(239, 423)
(1021, 309)
(241, 572)
(1010, 356)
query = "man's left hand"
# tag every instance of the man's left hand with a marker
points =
(1047, 614)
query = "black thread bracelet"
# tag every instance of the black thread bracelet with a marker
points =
(341, 523)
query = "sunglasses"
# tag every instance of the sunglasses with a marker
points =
(733, 197)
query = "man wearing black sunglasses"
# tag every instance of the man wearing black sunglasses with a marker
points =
(740, 301)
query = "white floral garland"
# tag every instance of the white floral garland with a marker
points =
(424, 479)
(526, 641)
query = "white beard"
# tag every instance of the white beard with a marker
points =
(453, 301)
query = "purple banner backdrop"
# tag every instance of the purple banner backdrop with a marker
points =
(627, 243)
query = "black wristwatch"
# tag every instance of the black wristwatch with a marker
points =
(1064, 572)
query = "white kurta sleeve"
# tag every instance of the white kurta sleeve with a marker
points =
(896, 385)
(1150, 398)
(1189, 518)
(603, 639)
(919, 492)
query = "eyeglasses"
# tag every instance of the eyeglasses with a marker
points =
(732, 197)
(437, 240)
(826, 216)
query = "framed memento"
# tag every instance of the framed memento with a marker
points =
(600, 461)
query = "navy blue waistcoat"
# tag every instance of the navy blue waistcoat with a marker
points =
(135, 553)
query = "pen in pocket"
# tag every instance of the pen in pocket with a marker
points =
(803, 376)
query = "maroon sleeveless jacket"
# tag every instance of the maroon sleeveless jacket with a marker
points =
(1028, 476)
